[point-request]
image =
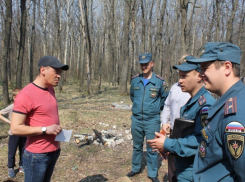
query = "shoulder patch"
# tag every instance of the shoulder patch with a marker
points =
(204, 110)
(230, 106)
(201, 100)
(235, 145)
(135, 76)
(161, 78)
(234, 127)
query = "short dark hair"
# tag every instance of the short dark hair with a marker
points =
(235, 67)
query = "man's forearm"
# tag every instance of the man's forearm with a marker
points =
(24, 130)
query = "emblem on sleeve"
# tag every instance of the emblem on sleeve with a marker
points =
(202, 149)
(153, 94)
(204, 134)
(234, 127)
(235, 145)
(204, 110)
(204, 120)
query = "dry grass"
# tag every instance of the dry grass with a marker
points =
(81, 113)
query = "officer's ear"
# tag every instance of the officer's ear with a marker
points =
(199, 78)
(151, 63)
(227, 68)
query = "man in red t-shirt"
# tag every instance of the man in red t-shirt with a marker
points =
(35, 115)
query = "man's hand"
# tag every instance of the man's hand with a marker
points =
(166, 128)
(53, 129)
(157, 143)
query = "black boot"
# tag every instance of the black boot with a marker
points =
(154, 179)
(131, 174)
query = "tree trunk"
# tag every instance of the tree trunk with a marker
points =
(124, 73)
(160, 20)
(6, 47)
(33, 38)
(45, 27)
(229, 31)
(133, 37)
(217, 20)
(183, 36)
(87, 42)
(21, 45)
(149, 27)
(143, 26)
(58, 44)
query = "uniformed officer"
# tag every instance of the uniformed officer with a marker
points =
(221, 154)
(196, 110)
(148, 93)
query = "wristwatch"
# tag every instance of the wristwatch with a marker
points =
(44, 129)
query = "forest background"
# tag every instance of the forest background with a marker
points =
(101, 39)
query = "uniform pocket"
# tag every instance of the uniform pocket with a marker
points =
(153, 92)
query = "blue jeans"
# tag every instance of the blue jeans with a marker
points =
(14, 143)
(39, 167)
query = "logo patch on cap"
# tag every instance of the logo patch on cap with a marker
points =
(235, 145)
(142, 57)
(234, 127)
(202, 51)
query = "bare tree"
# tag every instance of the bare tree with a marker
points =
(229, 31)
(143, 26)
(87, 42)
(21, 44)
(6, 47)
(183, 36)
(33, 38)
(159, 36)
(133, 38)
(217, 20)
(126, 22)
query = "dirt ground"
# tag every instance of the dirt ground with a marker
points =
(84, 163)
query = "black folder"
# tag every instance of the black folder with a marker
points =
(182, 128)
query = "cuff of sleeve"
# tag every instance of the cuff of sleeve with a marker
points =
(167, 144)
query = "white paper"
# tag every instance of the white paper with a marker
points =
(64, 136)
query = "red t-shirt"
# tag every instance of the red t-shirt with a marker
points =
(41, 109)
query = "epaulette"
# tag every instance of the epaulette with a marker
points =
(135, 76)
(201, 100)
(161, 78)
(230, 106)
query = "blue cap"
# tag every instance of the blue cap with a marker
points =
(145, 58)
(188, 66)
(221, 51)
